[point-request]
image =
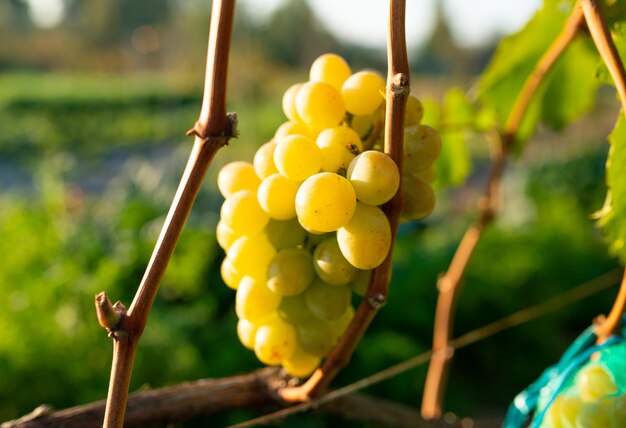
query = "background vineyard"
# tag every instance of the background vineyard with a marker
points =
(91, 150)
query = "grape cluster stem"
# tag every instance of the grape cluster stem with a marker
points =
(449, 284)
(213, 130)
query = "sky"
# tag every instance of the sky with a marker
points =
(473, 22)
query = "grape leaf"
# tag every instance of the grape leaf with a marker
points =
(612, 216)
(567, 92)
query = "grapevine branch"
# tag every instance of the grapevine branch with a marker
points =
(398, 88)
(449, 284)
(212, 131)
(179, 402)
(601, 36)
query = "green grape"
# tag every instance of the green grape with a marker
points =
(319, 105)
(315, 336)
(339, 325)
(363, 92)
(294, 309)
(254, 301)
(289, 103)
(325, 202)
(225, 235)
(374, 176)
(264, 165)
(594, 382)
(418, 198)
(236, 176)
(339, 145)
(242, 213)
(297, 157)
(277, 196)
(275, 340)
(314, 239)
(246, 331)
(251, 255)
(292, 128)
(422, 145)
(230, 276)
(595, 414)
(327, 302)
(290, 272)
(619, 411)
(330, 265)
(429, 175)
(362, 124)
(301, 363)
(366, 239)
(414, 111)
(285, 233)
(330, 68)
(361, 282)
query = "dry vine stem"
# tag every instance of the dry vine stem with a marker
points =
(601, 36)
(212, 131)
(398, 88)
(449, 284)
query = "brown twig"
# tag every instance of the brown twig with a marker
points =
(601, 36)
(449, 284)
(212, 131)
(398, 89)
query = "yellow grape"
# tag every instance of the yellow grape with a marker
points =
(429, 175)
(242, 213)
(325, 202)
(297, 157)
(563, 412)
(327, 302)
(277, 196)
(594, 382)
(361, 282)
(251, 255)
(339, 145)
(301, 363)
(414, 111)
(230, 276)
(315, 336)
(254, 301)
(330, 265)
(290, 272)
(366, 239)
(319, 105)
(264, 165)
(275, 341)
(289, 103)
(246, 331)
(422, 145)
(292, 128)
(225, 235)
(236, 176)
(374, 176)
(285, 233)
(330, 68)
(363, 92)
(418, 198)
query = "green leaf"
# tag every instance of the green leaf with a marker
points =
(612, 216)
(566, 93)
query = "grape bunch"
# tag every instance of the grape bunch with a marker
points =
(302, 225)
(592, 400)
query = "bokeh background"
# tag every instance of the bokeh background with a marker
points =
(95, 99)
